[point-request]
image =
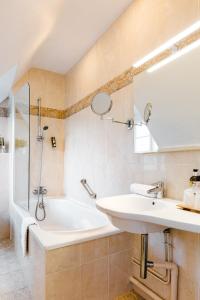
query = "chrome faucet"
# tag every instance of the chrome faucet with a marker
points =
(41, 190)
(158, 190)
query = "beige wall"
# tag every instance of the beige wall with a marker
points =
(103, 152)
(48, 86)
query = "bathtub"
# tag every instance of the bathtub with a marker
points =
(67, 222)
(69, 216)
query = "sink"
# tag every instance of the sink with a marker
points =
(139, 214)
(129, 212)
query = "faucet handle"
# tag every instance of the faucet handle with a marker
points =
(158, 184)
(35, 191)
(157, 190)
(44, 191)
(41, 190)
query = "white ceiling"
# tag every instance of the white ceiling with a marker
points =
(52, 34)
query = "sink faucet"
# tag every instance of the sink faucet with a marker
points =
(158, 190)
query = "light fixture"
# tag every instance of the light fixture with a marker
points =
(174, 56)
(168, 44)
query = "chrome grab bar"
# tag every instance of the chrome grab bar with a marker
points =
(88, 189)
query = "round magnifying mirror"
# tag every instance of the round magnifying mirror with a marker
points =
(101, 104)
(147, 112)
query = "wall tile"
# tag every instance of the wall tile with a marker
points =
(63, 258)
(64, 285)
(120, 269)
(95, 280)
(94, 250)
(120, 242)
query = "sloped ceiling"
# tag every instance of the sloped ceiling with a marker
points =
(52, 34)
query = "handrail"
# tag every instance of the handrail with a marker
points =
(88, 189)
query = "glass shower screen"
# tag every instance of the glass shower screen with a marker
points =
(22, 146)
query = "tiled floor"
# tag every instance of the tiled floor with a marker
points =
(12, 282)
(130, 296)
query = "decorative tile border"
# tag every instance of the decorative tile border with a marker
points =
(47, 112)
(110, 87)
(127, 77)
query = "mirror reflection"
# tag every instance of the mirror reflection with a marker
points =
(174, 93)
(101, 104)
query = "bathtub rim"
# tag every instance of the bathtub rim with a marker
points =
(49, 240)
(89, 209)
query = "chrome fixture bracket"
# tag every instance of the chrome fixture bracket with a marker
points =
(129, 123)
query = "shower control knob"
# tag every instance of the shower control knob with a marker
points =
(44, 191)
(41, 190)
(35, 192)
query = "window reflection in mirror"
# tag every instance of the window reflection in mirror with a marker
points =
(143, 140)
(174, 91)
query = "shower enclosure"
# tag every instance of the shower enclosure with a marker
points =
(40, 191)
(28, 190)
(21, 147)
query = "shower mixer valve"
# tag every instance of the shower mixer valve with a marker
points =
(41, 190)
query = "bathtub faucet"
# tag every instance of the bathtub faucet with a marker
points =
(41, 190)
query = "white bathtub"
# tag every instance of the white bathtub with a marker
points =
(67, 222)
(68, 216)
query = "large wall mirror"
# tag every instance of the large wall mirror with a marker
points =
(174, 93)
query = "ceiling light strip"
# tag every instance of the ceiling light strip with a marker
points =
(168, 44)
(174, 56)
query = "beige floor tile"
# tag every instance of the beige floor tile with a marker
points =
(8, 263)
(6, 246)
(12, 282)
(22, 294)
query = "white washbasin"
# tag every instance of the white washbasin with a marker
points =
(138, 214)
(121, 211)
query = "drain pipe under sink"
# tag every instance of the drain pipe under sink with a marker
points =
(145, 264)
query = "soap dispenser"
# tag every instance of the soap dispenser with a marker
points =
(192, 195)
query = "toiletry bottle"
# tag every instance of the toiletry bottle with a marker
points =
(192, 195)
(196, 183)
